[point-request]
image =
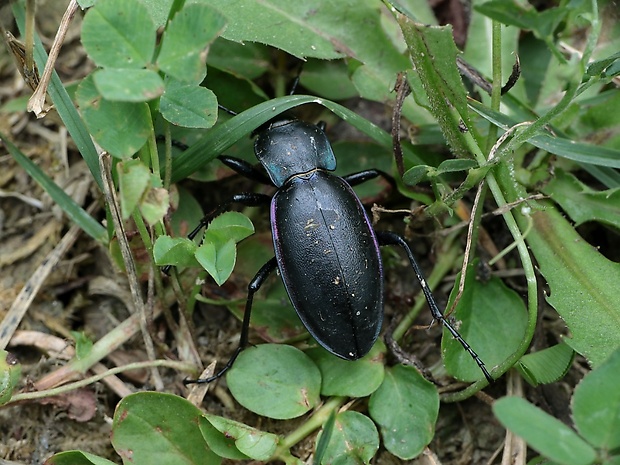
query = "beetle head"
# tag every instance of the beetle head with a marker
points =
(287, 147)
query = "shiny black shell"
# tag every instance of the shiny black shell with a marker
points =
(328, 257)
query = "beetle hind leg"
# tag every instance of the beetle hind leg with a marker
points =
(390, 238)
(253, 287)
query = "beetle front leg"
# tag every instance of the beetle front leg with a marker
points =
(354, 179)
(253, 287)
(390, 238)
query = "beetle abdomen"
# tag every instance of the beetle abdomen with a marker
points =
(329, 260)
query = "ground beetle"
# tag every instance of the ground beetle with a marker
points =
(326, 249)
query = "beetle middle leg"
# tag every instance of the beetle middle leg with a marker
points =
(358, 178)
(390, 238)
(253, 287)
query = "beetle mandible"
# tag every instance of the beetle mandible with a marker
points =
(326, 249)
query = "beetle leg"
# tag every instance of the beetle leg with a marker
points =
(245, 169)
(253, 287)
(248, 199)
(357, 178)
(390, 238)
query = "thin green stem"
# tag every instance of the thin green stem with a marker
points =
(314, 422)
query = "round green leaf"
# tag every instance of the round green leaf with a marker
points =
(405, 407)
(252, 443)
(596, 404)
(276, 381)
(119, 34)
(416, 174)
(128, 85)
(354, 440)
(219, 442)
(218, 258)
(492, 335)
(151, 427)
(350, 379)
(188, 105)
(187, 36)
(77, 457)
(121, 128)
(546, 434)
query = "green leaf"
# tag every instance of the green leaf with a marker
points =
(10, 371)
(151, 427)
(183, 52)
(493, 335)
(417, 174)
(188, 105)
(220, 443)
(456, 165)
(77, 457)
(154, 205)
(546, 366)
(275, 381)
(76, 213)
(546, 434)
(583, 284)
(248, 60)
(230, 225)
(121, 128)
(350, 379)
(571, 150)
(119, 34)
(177, 251)
(596, 405)
(582, 203)
(525, 16)
(354, 440)
(405, 407)
(83, 345)
(253, 443)
(218, 258)
(133, 178)
(434, 53)
(128, 85)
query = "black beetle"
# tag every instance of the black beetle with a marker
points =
(326, 249)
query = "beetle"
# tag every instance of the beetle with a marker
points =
(326, 249)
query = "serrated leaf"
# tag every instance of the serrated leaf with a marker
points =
(128, 85)
(434, 53)
(184, 50)
(188, 105)
(582, 203)
(151, 427)
(546, 434)
(405, 407)
(218, 258)
(546, 366)
(275, 381)
(583, 284)
(253, 443)
(596, 405)
(119, 34)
